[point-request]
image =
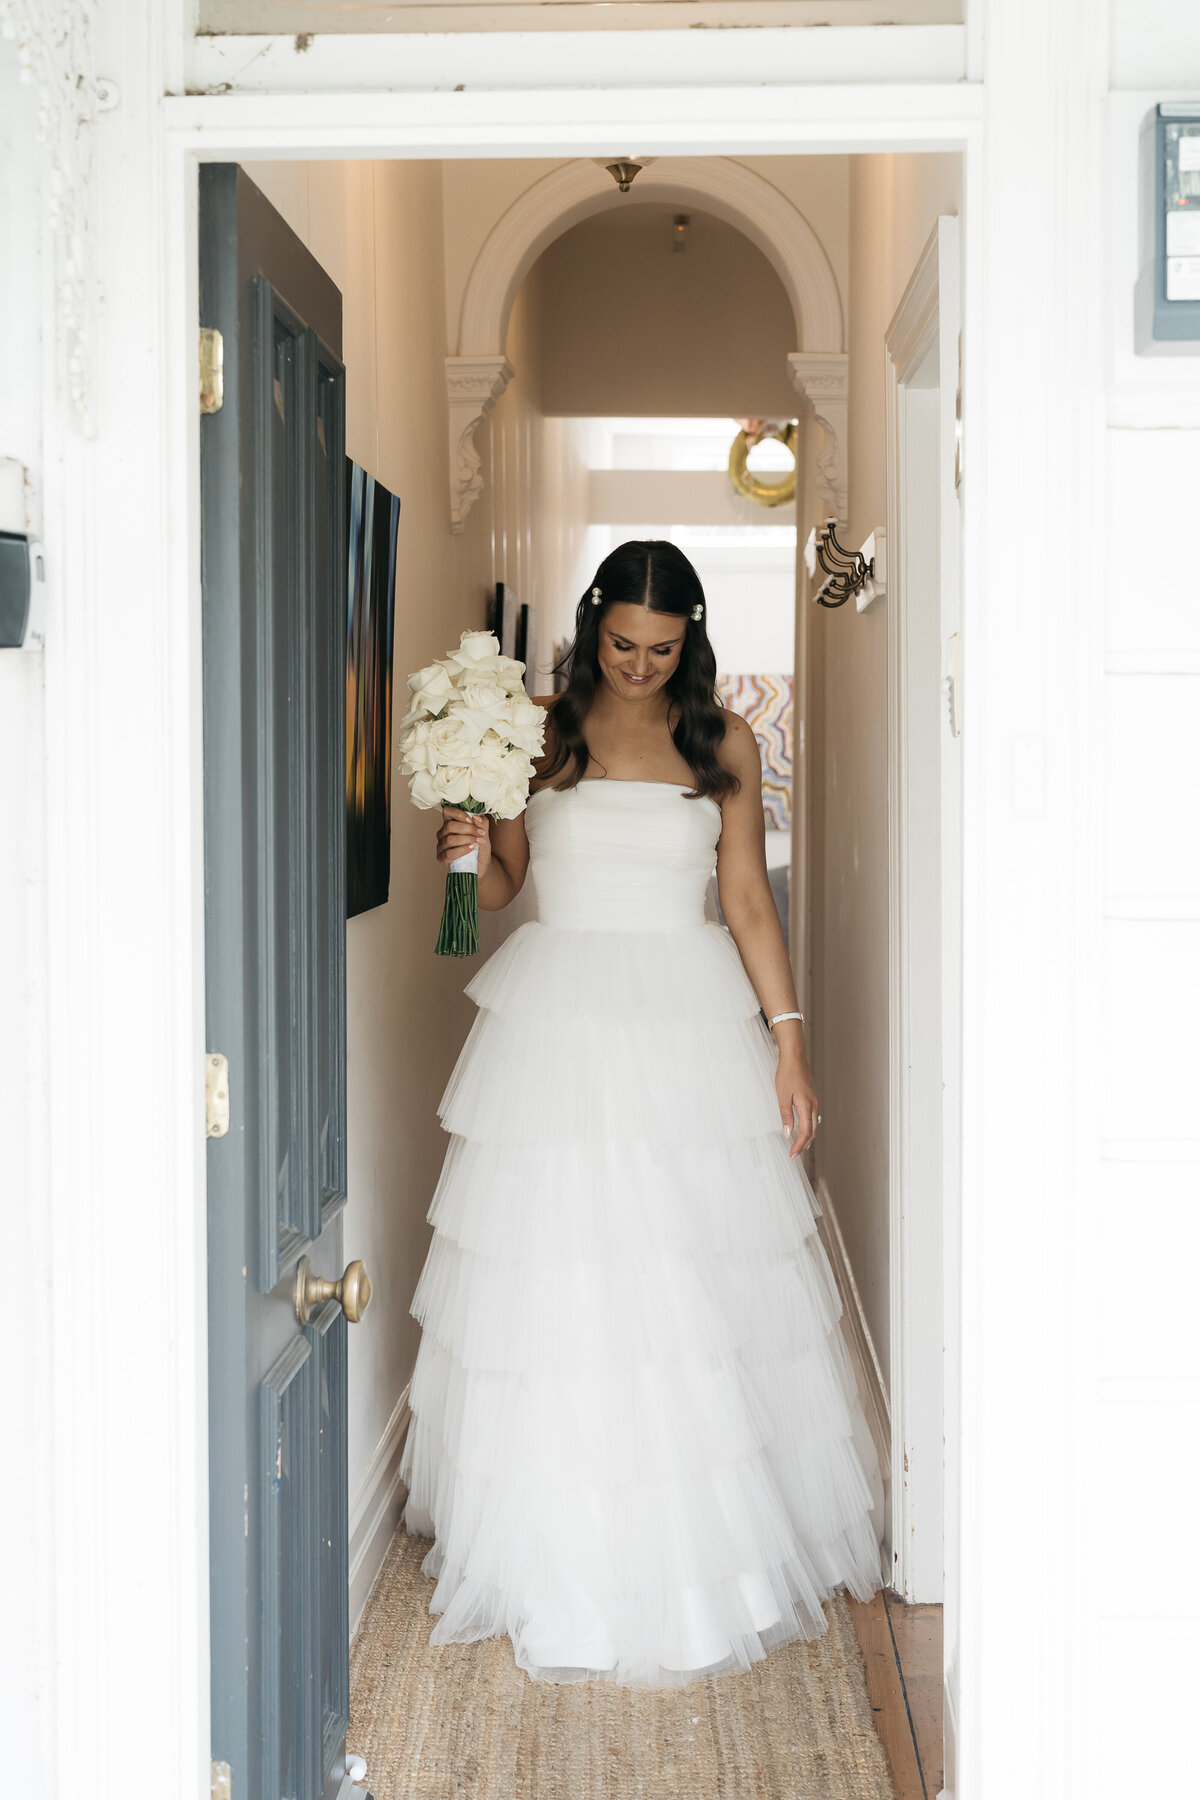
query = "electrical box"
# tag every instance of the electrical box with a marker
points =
(1168, 289)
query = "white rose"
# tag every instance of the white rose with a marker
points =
(488, 775)
(526, 726)
(500, 778)
(431, 688)
(449, 741)
(482, 694)
(479, 723)
(510, 674)
(511, 801)
(453, 783)
(475, 649)
(424, 792)
(415, 746)
(518, 766)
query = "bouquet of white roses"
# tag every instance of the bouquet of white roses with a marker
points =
(469, 739)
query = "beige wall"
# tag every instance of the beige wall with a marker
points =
(377, 229)
(633, 326)
(894, 204)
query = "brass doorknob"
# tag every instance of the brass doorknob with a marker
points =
(353, 1291)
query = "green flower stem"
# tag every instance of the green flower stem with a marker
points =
(459, 934)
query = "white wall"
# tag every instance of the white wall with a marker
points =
(26, 1701)
(1145, 1395)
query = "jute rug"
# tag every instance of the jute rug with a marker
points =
(464, 1723)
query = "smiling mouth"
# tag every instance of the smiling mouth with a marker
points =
(637, 680)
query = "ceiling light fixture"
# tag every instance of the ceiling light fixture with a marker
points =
(624, 173)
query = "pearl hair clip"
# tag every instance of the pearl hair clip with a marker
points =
(697, 613)
(597, 596)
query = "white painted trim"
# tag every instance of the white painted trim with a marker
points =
(922, 1040)
(414, 60)
(375, 1508)
(822, 378)
(868, 1370)
(579, 190)
(1032, 985)
(579, 121)
(473, 386)
(949, 1734)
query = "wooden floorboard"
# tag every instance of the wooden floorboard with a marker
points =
(917, 1633)
(902, 1649)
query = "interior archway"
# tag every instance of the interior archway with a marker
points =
(479, 373)
(717, 184)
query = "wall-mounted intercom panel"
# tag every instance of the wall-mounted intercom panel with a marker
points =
(22, 590)
(1168, 290)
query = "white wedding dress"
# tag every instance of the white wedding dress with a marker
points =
(635, 1436)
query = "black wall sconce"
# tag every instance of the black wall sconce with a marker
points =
(859, 575)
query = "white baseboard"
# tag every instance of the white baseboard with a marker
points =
(950, 1732)
(375, 1509)
(871, 1386)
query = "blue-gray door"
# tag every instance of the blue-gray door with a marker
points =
(274, 561)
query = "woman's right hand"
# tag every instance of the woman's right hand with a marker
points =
(462, 831)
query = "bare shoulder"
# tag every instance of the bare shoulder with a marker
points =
(546, 700)
(739, 748)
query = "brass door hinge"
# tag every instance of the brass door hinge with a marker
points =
(216, 1094)
(212, 370)
(222, 1781)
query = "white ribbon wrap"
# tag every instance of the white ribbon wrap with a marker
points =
(465, 865)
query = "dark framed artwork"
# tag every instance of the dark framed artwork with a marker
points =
(374, 517)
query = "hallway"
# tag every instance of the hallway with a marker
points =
(594, 376)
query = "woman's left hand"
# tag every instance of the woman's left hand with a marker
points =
(797, 1102)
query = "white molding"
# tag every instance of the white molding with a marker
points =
(922, 837)
(822, 378)
(408, 61)
(375, 1508)
(524, 120)
(473, 386)
(578, 190)
(1037, 200)
(56, 53)
(868, 1370)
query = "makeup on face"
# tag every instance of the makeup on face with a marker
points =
(639, 650)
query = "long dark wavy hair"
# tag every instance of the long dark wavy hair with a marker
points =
(653, 573)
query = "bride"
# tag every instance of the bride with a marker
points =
(635, 1437)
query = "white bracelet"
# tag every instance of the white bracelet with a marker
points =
(779, 1017)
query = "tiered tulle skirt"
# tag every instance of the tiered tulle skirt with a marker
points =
(635, 1436)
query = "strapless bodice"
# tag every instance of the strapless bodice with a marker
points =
(621, 855)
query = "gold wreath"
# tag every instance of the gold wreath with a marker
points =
(763, 493)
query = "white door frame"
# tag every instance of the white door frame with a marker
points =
(924, 868)
(124, 1189)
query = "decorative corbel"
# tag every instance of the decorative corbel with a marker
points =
(473, 386)
(821, 378)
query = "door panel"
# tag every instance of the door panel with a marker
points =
(274, 560)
